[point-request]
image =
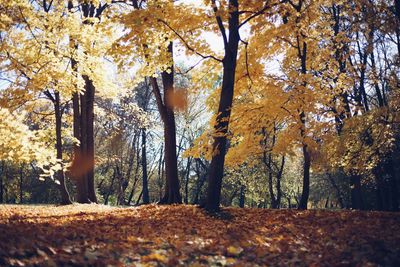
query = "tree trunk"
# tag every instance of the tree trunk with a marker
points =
(306, 179)
(65, 198)
(21, 180)
(131, 162)
(138, 200)
(397, 7)
(338, 193)
(121, 186)
(357, 202)
(1, 182)
(160, 172)
(145, 188)
(83, 142)
(187, 175)
(171, 192)
(137, 149)
(306, 154)
(278, 184)
(79, 179)
(89, 97)
(110, 188)
(362, 91)
(81, 182)
(85, 119)
(393, 185)
(242, 196)
(216, 171)
(201, 179)
(379, 95)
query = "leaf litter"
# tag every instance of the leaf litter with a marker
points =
(185, 235)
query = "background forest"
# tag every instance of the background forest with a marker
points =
(268, 104)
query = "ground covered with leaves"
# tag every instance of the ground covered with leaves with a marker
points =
(79, 235)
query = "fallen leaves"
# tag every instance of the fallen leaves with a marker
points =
(184, 235)
(234, 251)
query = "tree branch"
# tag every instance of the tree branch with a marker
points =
(260, 12)
(220, 24)
(187, 45)
(157, 94)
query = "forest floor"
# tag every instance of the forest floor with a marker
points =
(97, 235)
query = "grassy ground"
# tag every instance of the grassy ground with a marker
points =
(79, 235)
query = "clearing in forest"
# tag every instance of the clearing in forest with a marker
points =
(184, 235)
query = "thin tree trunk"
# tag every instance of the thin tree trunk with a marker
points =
(136, 170)
(65, 198)
(187, 175)
(216, 171)
(242, 196)
(289, 203)
(201, 179)
(138, 199)
(278, 183)
(1, 182)
(171, 192)
(362, 91)
(356, 195)
(393, 186)
(397, 7)
(21, 180)
(110, 188)
(326, 203)
(379, 96)
(338, 193)
(145, 188)
(160, 172)
(130, 168)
